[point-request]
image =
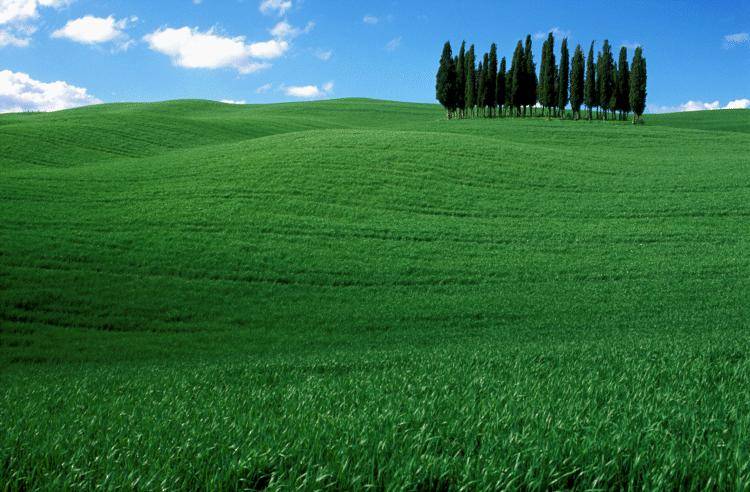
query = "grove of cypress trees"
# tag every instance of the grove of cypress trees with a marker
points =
(461, 80)
(445, 85)
(606, 78)
(623, 84)
(529, 77)
(489, 88)
(517, 71)
(564, 75)
(500, 87)
(470, 97)
(576, 82)
(590, 89)
(638, 85)
(492, 80)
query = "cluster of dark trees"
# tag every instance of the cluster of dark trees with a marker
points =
(614, 89)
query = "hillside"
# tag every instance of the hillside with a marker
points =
(361, 291)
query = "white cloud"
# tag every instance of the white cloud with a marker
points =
(324, 55)
(738, 104)
(393, 44)
(736, 39)
(14, 11)
(19, 92)
(309, 91)
(284, 30)
(263, 88)
(16, 17)
(96, 30)
(191, 48)
(556, 31)
(233, 101)
(370, 19)
(279, 7)
(268, 50)
(700, 106)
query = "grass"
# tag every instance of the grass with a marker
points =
(356, 293)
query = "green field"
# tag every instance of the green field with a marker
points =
(360, 294)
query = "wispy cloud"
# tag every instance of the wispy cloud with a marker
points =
(324, 55)
(284, 30)
(393, 44)
(556, 31)
(263, 88)
(370, 19)
(630, 45)
(736, 39)
(278, 7)
(233, 101)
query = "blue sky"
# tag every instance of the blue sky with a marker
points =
(61, 53)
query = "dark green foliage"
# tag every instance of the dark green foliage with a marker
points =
(563, 77)
(591, 88)
(638, 84)
(508, 89)
(492, 79)
(461, 78)
(518, 78)
(529, 75)
(482, 85)
(470, 99)
(542, 74)
(446, 84)
(605, 78)
(577, 82)
(549, 96)
(622, 97)
(500, 85)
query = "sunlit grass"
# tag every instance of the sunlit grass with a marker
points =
(355, 294)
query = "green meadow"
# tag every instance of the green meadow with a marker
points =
(359, 294)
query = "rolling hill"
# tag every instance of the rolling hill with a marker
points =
(357, 292)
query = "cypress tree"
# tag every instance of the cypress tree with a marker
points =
(638, 85)
(564, 75)
(500, 87)
(508, 90)
(549, 75)
(598, 85)
(590, 91)
(481, 86)
(517, 86)
(470, 97)
(576, 82)
(623, 84)
(445, 85)
(461, 80)
(542, 89)
(492, 80)
(606, 78)
(489, 90)
(529, 76)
